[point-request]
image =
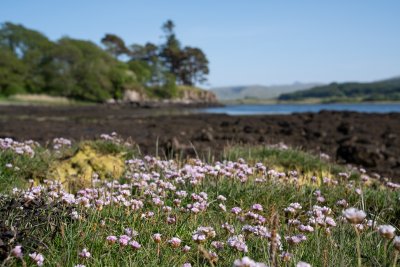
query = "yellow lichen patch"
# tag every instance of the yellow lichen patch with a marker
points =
(77, 171)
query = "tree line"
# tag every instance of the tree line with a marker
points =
(82, 70)
(386, 90)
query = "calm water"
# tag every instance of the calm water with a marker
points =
(295, 108)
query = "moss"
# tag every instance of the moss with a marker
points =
(78, 170)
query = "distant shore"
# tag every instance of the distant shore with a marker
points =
(306, 102)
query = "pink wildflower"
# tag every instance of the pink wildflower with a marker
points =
(85, 254)
(236, 210)
(134, 244)
(175, 242)
(186, 248)
(387, 231)
(257, 207)
(111, 239)
(17, 252)
(37, 257)
(157, 238)
(354, 216)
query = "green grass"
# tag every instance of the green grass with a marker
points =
(287, 159)
(62, 238)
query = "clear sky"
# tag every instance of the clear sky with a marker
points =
(247, 42)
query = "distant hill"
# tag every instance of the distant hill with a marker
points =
(384, 90)
(258, 91)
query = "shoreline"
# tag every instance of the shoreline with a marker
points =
(371, 140)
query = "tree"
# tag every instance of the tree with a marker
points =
(30, 47)
(114, 45)
(12, 73)
(171, 52)
(194, 66)
(189, 65)
(82, 70)
(147, 57)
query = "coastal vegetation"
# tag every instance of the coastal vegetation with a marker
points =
(255, 206)
(77, 69)
(386, 90)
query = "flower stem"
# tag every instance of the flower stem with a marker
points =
(358, 246)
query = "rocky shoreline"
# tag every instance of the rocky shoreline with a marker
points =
(369, 140)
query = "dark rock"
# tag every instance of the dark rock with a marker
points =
(368, 156)
(345, 128)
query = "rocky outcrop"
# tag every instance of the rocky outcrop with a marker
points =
(187, 96)
(197, 96)
(131, 96)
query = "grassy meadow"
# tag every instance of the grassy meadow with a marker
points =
(103, 203)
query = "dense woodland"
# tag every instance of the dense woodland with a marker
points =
(82, 70)
(387, 90)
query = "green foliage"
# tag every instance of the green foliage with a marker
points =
(142, 69)
(30, 47)
(12, 73)
(114, 45)
(81, 70)
(188, 64)
(387, 90)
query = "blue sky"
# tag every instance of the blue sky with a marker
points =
(247, 42)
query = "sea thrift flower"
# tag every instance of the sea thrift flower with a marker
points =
(238, 243)
(171, 220)
(303, 264)
(202, 233)
(247, 262)
(17, 252)
(186, 248)
(124, 240)
(222, 206)
(175, 242)
(134, 244)
(218, 245)
(75, 215)
(228, 227)
(221, 198)
(330, 221)
(286, 256)
(187, 264)
(396, 243)
(80, 265)
(112, 239)
(85, 254)
(306, 228)
(293, 208)
(236, 210)
(387, 231)
(131, 232)
(157, 238)
(360, 227)
(354, 216)
(257, 207)
(37, 258)
(294, 240)
(342, 203)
